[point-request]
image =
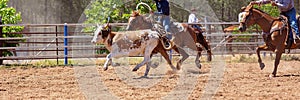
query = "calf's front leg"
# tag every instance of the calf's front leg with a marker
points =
(108, 61)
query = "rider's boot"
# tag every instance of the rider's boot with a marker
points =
(289, 43)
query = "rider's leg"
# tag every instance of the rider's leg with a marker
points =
(199, 36)
(290, 39)
(198, 28)
(166, 24)
(293, 21)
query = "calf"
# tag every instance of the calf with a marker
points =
(131, 43)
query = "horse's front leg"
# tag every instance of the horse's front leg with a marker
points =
(108, 61)
(258, 49)
(164, 53)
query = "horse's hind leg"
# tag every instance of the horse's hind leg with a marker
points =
(209, 54)
(197, 60)
(204, 43)
(183, 54)
(277, 61)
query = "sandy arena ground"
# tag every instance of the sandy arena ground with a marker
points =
(240, 81)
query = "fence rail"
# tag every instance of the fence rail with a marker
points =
(47, 41)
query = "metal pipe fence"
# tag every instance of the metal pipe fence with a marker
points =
(63, 41)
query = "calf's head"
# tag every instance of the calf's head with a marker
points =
(101, 33)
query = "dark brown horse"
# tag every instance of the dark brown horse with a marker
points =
(183, 34)
(275, 33)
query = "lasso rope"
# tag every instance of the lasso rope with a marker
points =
(142, 3)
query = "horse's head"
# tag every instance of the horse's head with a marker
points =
(138, 22)
(245, 18)
(101, 33)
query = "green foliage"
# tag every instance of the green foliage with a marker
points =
(290, 57)
(9, 16)
(244, 59)
(118, 11)
(268, 8)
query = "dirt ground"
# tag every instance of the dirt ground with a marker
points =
(240, 81)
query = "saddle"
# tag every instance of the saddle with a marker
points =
(267, 36)
(162, 33)
(289, 43)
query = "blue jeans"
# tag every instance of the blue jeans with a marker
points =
(165, 20)
(197, 26)
(291, 15)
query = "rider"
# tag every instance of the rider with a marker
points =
(287, 9)
(163, 10)
(194, 19)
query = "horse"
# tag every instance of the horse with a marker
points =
(230, 38)
(182, 36)
(275, 33)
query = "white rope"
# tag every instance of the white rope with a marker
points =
(142, 3)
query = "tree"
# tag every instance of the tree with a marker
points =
(118, 11)
(9, 16)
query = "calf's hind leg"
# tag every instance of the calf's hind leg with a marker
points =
(147, 57)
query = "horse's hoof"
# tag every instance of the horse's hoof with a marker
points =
(145, 76)
(262, 66)
(272, 76)
(198, 64)
(135, 69)
(209, 59)
(178, 66)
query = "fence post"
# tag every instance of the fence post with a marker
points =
(56, 41)
(1, 42)
(66, 43)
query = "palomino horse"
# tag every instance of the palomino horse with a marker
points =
(275, 33)
(183, 35)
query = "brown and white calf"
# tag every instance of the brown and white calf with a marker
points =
(131, 43)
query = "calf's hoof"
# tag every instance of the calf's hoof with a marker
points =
(105, 68)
